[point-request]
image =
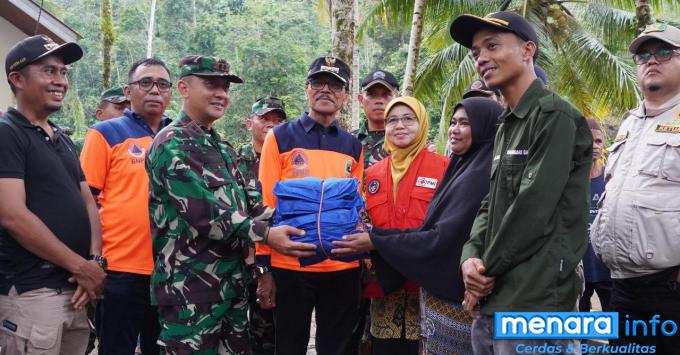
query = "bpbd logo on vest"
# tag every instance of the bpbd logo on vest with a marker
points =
(579, 325)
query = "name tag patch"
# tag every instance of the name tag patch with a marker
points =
(517, 152)
(621, 137)
(426, 182)
(663, 128)
(9, 325)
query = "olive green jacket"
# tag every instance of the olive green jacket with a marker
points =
(531, 229)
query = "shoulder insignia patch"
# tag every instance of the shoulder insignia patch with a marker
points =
(373, 186)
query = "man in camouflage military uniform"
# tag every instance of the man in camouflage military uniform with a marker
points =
(377, 90)
(203, 219)
(266, 113)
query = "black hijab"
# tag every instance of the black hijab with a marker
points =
(430, 255)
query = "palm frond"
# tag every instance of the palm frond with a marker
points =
(435, 71)
(665, 10)
(393, 14)
(612, 26)
(610, 80)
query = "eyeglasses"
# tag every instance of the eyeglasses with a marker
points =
(661, 55)
(335, 86)
(405, 120)
(147, 83)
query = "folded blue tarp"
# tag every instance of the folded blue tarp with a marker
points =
(337, 201)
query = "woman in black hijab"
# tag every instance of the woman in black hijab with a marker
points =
(430, 255)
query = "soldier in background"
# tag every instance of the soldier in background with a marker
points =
(112, 104)
(204, 217)
(377, 90)
(266, 113)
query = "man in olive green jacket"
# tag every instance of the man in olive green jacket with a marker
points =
(530, 232)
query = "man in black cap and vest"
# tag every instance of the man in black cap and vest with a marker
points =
(529, 234)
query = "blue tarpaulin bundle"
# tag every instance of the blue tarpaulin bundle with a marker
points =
(300, 203)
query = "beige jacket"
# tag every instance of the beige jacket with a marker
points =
(637, 229)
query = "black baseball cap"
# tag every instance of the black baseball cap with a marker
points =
(478, 88)
(381, 77)
(34, 48)
(330, 65)
(464, 27)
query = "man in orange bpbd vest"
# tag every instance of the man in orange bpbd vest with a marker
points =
(313, 145)
(113, 162)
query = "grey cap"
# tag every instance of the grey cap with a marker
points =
(661, 31)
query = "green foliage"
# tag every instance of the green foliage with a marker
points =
(268, 43)
(108, 35)
(583, 48)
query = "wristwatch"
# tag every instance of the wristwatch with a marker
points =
(259, 270)
(101, 260)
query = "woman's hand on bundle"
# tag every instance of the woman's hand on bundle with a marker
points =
(353, 244)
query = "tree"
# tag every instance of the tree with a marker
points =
(107, 41)
(642, 14)
(583, 48)
(413, 46)
(152, 19)
(343, 44)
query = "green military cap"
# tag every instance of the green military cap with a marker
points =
(267, 104)
(114, 95)
(206, 66)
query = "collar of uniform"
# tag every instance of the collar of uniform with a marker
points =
(165, 120)
(247, 152)
(362, 131)
(186, 121)
(309, 123)
(21, 120)
(527, 102)
(641, 111)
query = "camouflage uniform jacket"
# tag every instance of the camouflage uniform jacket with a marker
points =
(372, 141)
(203, 216)
(249, 164)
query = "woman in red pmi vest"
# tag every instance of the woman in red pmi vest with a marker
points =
(398, 191)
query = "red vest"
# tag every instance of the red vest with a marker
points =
(415, 192)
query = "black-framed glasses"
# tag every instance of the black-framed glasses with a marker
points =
(335, 86)
(147, 83)
(661, 55)
(406, 120)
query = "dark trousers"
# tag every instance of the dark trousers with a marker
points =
(124, 313)
(640, 298)
(261, 323)
(604, 293)
(400, 346)
(334, 295)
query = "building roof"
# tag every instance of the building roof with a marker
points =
(24, 14)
